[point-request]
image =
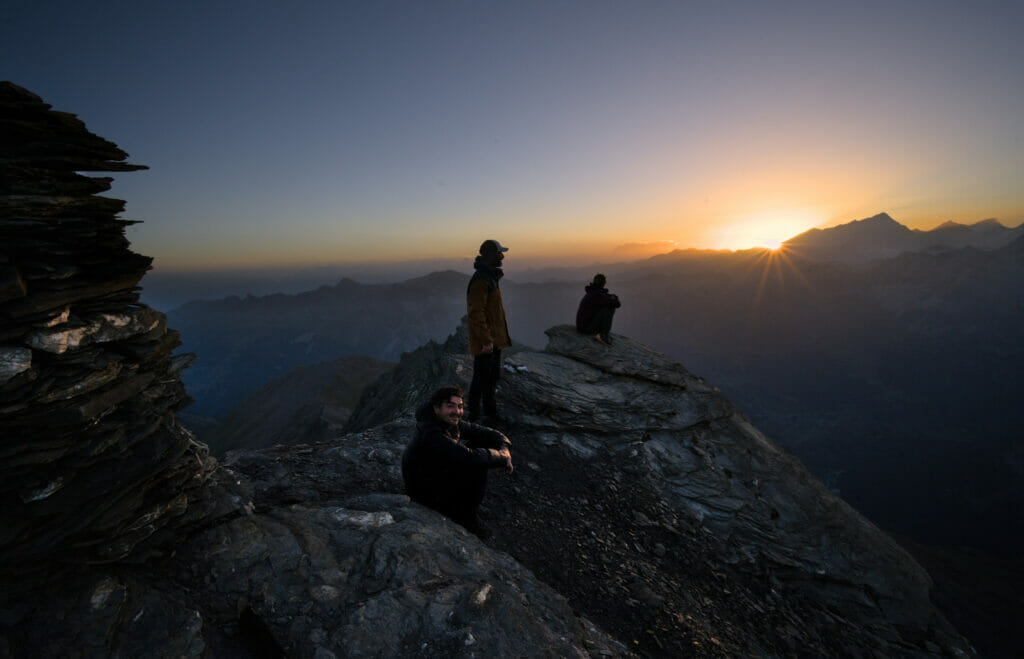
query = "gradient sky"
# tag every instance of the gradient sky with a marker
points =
(321, 132)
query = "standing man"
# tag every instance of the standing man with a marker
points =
(488, 331)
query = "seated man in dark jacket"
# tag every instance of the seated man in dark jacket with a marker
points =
(594, 315)
(445, 466)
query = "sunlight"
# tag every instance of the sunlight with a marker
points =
(775, 270)
(766, 229)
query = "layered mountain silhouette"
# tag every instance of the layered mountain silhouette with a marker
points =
(881, 237)
(243, 343)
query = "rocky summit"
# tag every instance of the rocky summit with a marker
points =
(645, 496)
(646, 515)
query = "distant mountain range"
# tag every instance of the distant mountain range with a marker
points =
(881, 237)
(243, 343)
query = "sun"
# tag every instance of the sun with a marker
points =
(767, 229)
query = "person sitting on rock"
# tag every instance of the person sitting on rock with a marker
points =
(594, 315)
(445, 465)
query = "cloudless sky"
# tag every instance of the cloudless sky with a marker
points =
(286, 133)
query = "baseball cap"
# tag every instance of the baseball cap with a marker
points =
(491, 245)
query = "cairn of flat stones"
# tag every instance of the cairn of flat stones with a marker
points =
(94, 467)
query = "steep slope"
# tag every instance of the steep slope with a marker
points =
(309, 404)
(979, 594)
(647, 497)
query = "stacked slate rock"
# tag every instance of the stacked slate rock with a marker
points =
(92, 460)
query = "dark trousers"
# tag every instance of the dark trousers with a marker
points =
(486, 372)
(456, 496)
(600, 323)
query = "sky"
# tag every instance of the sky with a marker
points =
(309, 133)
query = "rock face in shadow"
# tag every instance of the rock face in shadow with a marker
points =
(93, 460)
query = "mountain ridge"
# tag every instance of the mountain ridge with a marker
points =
(307, 405)
(881, 237)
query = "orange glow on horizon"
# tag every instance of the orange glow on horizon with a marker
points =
(764, 229)
(547, 242)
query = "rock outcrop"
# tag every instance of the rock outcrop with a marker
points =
(92, 460)
(643, 500)
(644, 484)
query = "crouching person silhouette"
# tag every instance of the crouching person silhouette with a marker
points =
(596, 310)
(445, 465)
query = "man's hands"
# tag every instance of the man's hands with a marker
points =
(488, 348)
(505, 453)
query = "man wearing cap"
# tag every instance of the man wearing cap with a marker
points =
(488, 331)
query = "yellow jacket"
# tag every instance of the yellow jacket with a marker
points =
(486, 312)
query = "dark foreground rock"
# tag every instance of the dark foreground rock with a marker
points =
(368, 575)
